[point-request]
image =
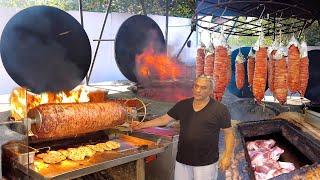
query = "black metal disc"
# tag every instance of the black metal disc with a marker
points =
(313, 88)
(134, 35)
(45, 49)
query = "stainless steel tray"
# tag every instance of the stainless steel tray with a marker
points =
(132, 148)
(21, 153)
(313, 118)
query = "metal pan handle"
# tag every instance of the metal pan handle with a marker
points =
(49, 148)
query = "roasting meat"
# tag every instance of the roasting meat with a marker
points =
(200, 61)
(250, 67)
(72, 119)
(260, 74)
(240, 71)
(208, 64)
(293, 66)
(304, 69)
(221, 71)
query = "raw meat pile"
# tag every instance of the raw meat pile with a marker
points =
(264, 157)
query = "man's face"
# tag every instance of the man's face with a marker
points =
(201, 89)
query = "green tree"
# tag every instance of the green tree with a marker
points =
(312, 34)
(177, 8)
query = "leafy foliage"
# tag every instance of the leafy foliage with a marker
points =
(176, 8)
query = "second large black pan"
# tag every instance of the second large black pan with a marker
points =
(134, 35)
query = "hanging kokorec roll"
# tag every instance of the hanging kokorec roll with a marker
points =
(229, 69)
(304, 68)
(280, 75)
(222, 68)
(250, 67)
(200, 60)
(260, 69)
(240, 72)
(293, 65)
(209, 63)
(271, 62)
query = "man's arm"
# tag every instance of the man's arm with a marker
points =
(228, 141)
(228, 149)
(160, 121)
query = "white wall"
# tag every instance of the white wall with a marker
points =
(105, 68)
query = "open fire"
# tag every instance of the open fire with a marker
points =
(162, 77)
(21, 100)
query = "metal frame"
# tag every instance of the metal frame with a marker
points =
(252, 28)
(273, 21)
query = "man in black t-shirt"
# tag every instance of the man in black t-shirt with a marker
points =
(201, 119)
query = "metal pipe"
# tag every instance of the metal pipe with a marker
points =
(104, 40)
(234, 24)
(81, 14)
(167, 24)
(255, 2)
(184, 44)
(274, 29)
(143, 7)
(98, 44)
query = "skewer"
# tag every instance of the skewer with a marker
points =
(143, 107)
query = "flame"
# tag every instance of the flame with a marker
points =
(158, 65)
(20, 105)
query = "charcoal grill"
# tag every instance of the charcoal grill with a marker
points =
(300, 148)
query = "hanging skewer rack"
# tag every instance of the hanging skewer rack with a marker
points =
(242, 17)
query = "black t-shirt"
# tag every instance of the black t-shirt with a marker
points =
(199, 131)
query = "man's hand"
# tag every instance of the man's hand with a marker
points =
(135, 125)
(224, 163)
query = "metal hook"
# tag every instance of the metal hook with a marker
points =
(302, 31)
(291, 28)
(278, 22)
(225, 9)
(264, 7)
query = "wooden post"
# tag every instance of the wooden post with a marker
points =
(140, 171)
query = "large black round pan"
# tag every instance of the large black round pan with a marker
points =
(45, 49)
(134, 35)
(313, 88)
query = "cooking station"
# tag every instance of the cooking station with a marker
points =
(73, 130)
(68, 133)
(132, 149)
